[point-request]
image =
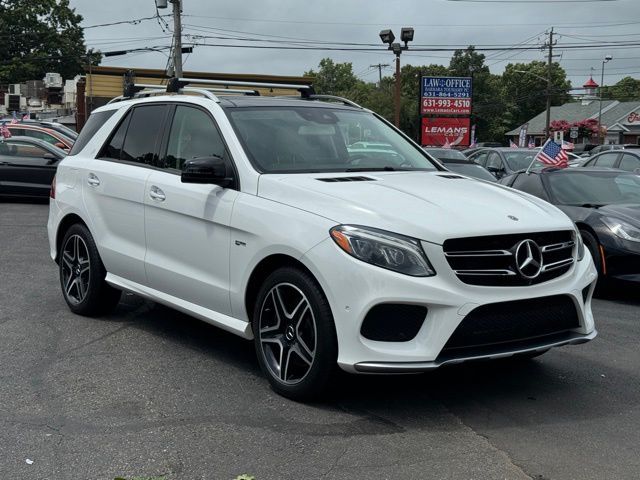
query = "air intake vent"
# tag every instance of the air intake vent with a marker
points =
(452, 177)
(346, 179)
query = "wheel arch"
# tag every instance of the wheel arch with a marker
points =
(64, 225)
(263, 269)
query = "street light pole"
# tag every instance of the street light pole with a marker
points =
(600, 135)
(397, 95)
(387, 36)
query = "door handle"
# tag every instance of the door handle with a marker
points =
(157, 194)
(93, 180)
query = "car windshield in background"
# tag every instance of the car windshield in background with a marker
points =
(595, 188)
(446, 154)
(519, 160)
(312, 139)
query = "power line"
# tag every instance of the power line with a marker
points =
(122, 22)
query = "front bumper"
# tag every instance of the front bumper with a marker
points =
(354, 287)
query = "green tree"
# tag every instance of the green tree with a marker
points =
(526, 93)
(626, 90)
(333, 78)
(40, 36)
(488, 104)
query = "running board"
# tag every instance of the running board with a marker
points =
(225, 322)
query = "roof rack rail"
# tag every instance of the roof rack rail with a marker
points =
(176, 84)
(346, 101)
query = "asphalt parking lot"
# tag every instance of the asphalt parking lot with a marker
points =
(150, 392)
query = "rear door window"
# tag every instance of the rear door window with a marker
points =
(145, 127)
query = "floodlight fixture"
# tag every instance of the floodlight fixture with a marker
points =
(607, 58)
(387, 36)
(396, 48)
(406, 35)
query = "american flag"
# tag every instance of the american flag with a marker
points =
(512, 144)
(532, 143)
(26, 116)
(14, 120)
(446, 143)
(4, 131)
(568, 145)
(553, 154)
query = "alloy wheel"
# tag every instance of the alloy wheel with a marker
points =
(288, 334)
(76, 268)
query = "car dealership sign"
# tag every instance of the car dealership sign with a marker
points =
(439, 131)
(446, 95)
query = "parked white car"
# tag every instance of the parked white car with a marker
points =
(251, 214)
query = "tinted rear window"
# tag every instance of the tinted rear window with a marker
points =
(96, 120)
(144, 127)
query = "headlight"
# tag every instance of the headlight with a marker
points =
(579, 245)
(384, 249)
(622, 229)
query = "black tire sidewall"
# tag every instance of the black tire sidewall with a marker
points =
(592, 245)
(99, 295)
(325, 361)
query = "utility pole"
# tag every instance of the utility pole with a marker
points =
(380, 66)
(397, 94)
(177, 38)
(549, 82)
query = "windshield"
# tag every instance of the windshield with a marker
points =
(595, 188)
(519, 160)
(313, 139)
(445, 154)
(471, 170)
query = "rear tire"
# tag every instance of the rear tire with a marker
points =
(82, 274)
(295, 337)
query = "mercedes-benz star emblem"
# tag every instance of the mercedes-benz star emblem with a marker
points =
(528, 259)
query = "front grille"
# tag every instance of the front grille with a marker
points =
(491, 260)
(515, 322)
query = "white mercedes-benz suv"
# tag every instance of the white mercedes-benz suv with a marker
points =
(256, 215)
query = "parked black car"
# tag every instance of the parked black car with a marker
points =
(27, 166)
(455, 161)
(628, 160)
(605, 148)
(604, 204)
(504, 161)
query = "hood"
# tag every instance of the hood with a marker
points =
(629, 212)
(430, 206)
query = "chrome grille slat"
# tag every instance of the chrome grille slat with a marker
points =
(484, 272)
(491, 260)
(479, 253)
(558, 264)
(557, 246)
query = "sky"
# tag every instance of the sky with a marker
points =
(437, 24)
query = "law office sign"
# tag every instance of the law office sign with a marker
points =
(446, 95)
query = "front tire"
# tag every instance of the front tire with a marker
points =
(295, 338)
(82, 275)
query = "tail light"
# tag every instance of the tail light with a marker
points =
(52, 192)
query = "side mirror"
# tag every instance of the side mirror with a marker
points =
(208, 170)
(50, 158)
